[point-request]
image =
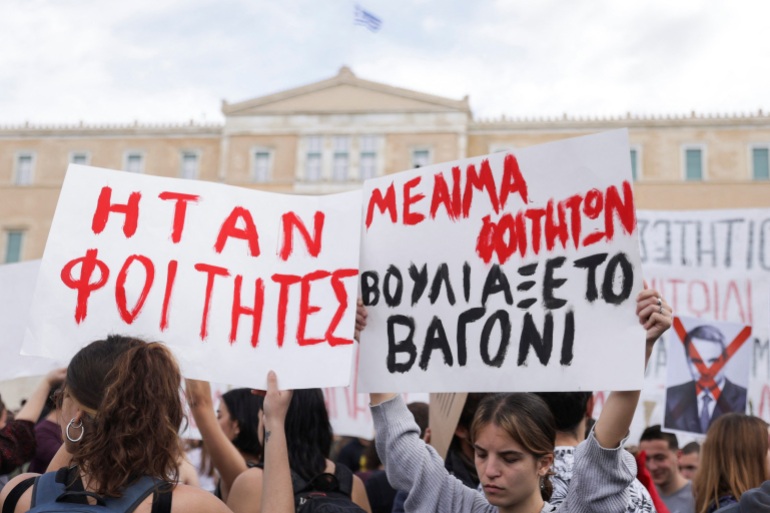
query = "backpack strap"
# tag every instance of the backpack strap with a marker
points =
(344, 479)
(65, 482)
(9, 506)
(161, 500)
(133, 495)
(297, 483)
(47, 488)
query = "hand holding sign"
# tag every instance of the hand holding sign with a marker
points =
(654, 314)
(360, 318)
(276, 403)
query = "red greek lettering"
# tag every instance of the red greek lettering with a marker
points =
(83, 284)
(383, 204)
(120, 287)
(170, 278)
(291, 220)
(104, 207)
(285, 281)
(342, 304)
(255, 312)
(230, 229)
(180, 210)
(212, 271)
(412, 218)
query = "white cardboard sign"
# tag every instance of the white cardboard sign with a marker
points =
(235, 281)
(711, 265)
(17, 284)
(517, 271)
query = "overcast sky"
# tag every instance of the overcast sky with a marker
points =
(64, 61)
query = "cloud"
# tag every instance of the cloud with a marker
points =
(172, 60)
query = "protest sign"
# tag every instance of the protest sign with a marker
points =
(708, 371)
(511, 272)
(235, 281)
(445, 412)
(17, 284)
(711, 265)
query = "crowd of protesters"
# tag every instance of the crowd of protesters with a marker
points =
(106, 429)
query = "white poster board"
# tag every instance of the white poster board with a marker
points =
(517, 271)
(235, 281)
(17, 284)
(711, 265)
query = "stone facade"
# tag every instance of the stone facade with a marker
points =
(330, 135)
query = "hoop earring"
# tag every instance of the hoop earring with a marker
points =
(79, 426)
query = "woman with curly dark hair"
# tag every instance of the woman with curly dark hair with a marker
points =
(120, 411)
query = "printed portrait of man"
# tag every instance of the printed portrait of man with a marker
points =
(693, 405)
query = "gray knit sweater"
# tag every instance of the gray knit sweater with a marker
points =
(601, 476)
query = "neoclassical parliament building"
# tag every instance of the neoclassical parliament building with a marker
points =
(331, 135)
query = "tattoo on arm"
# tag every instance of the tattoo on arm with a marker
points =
(267, 436)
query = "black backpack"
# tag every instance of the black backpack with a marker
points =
(325, 493)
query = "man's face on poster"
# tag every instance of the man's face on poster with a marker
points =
(709, 351)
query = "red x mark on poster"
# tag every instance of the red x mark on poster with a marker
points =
(707, 374)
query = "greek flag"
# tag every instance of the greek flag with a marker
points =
(367, 19)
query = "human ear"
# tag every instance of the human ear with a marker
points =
(544, 464)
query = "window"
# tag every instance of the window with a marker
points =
(420, 157)
(339, 158)
(368, 157)
(760, 163)
(313, 158)
(134, 162)
(341, 162)
(189, 169)
(262, 162)
(693, 164)
(79, 157)
(13, 241)
(634, 164)
(25, 163)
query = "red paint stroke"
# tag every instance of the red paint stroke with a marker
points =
(707, 374)
(104, 207)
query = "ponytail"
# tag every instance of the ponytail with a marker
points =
(134, 431)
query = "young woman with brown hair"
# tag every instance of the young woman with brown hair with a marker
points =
(120, 410)
(734, 458)
(513, 439)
